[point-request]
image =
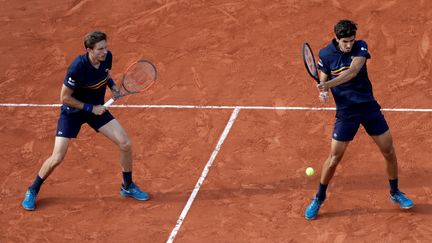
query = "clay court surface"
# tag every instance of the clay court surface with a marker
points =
(214, 53)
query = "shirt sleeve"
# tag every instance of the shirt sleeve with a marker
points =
(108, 61)
(361, 50)
(321, 64)
(110, 82)
(72, 78)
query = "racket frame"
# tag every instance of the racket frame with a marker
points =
(307, 48)
(111, 101)
(129, 67)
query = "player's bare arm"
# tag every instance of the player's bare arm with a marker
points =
(116, 92)
(67, 99)
(323, 77)
(356, 65)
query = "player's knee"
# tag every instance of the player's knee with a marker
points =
(334, 160)
(126, 145)
(56, 159)
(388, 151)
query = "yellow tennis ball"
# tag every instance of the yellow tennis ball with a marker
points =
(310, 171)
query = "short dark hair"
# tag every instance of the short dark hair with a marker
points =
(345, 28)
(94, 37)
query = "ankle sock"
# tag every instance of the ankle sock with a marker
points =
(393, 186)
(127, 178)
(321, 195)
(37, 183)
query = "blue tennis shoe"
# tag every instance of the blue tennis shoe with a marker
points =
(29, 202)
(313, 208)
(403, 201)
(134, 191)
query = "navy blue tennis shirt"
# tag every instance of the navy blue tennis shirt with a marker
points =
(87, 82)
(333, 62)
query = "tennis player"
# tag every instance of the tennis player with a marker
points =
(343, 70)
(82, 98)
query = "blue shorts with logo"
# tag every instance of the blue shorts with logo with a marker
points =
(368, 115)
(71, 120)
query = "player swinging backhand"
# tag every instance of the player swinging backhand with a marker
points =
(343, 70)
(82, 96)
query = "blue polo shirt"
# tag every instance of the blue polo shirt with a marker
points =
(356, 91)
(87, 82)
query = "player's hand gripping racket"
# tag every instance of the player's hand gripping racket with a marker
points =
(311, 67)
(138, 77)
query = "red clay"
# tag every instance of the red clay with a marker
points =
(214, 53)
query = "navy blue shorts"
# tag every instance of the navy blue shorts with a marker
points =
(348, 123)
(71, 120)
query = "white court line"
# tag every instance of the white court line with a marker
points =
(203, 175)
(222, 107)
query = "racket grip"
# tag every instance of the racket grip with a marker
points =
(109, 102)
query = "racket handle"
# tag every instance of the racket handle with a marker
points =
(109, 102)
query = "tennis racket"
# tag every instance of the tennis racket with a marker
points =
(138, 77)
(312, 69)
(309, 61)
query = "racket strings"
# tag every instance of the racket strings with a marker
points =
(310, 62)
(139, 77)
